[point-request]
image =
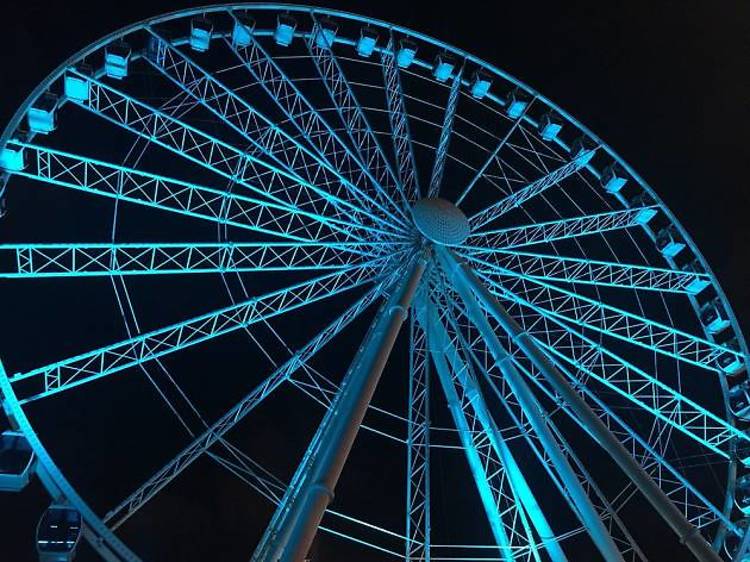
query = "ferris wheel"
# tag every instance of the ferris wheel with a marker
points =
(334, 196)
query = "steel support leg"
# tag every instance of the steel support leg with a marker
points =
(687, 533)
(532, 408)
(293, 527)
(443, 349)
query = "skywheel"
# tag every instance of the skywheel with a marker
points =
(338, 196)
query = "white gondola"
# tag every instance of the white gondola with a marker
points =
(730, 362)
(713, 316)
(12, 159)
(444, 66)
(117, 60)
(480, 85)
(550, 126)
(42, 117)
(242, 32)
(613, 179)
(201, 30)
(644, 202)
(516, 103)
(739, 398)
(58, 534)
(699, 283)
(668, 241)
(406, 52)
(285, 27)
(17, 461)
(583, 150)
(368, 38)
(326, 33)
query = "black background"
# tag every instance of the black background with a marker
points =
(665, 83)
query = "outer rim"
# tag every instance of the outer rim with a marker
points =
(43, 86)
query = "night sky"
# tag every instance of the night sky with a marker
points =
(664, 83)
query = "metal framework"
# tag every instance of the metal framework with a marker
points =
(566, 340)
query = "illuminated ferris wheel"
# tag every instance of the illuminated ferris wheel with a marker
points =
(300, 172)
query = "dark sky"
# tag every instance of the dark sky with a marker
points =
(665, 83)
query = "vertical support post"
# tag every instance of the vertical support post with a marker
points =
(466, 380)
(489, 494)
(532, 408)
(418, 524)
(687, 533)
(293, 526)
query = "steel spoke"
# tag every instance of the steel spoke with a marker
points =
(494, 155)
(267, 139)
(547, 267)
(83, 260)
(310, 124)
(233, 416)
(418, 505)
(400, 135)
(626, 326)
(81, 173)
(518, 198)
(81, 369)
(351, 113)
(293, 526)
(441, 152)
(649, 394)
(545, 232)
(223, 159)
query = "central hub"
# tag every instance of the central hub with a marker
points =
(440, 221)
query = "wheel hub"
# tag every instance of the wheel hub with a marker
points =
(440, 221)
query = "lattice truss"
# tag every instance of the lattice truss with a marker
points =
(278, 153)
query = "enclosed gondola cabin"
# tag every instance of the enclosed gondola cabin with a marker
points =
(406, 53)
(285, 27)
(443, 67)
(516, 103)
(368, 38)
(201, 30)
(42, 116)
(58, 534)
(325, 33)
(713, 316)
(550, 126)
(480, 84)
(16, 461)
(117, 60)
(242, 32)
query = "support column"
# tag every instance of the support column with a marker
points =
(687, 533)
(445, 354)
(293, 527)
(532, 408)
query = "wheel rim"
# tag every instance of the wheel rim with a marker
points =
(382, 225)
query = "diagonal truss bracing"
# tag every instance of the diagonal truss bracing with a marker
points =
(352, 115)
(542, 233)
(547, 267)
(441, 152)
(82, 260)
(225, 160)
(588, 357)
(535, 188)
(418, 504)
(74, 371)
(617, 323)
(234, 415)
(407, 166)
(267, 139)
(122, 183)
(311, 125)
